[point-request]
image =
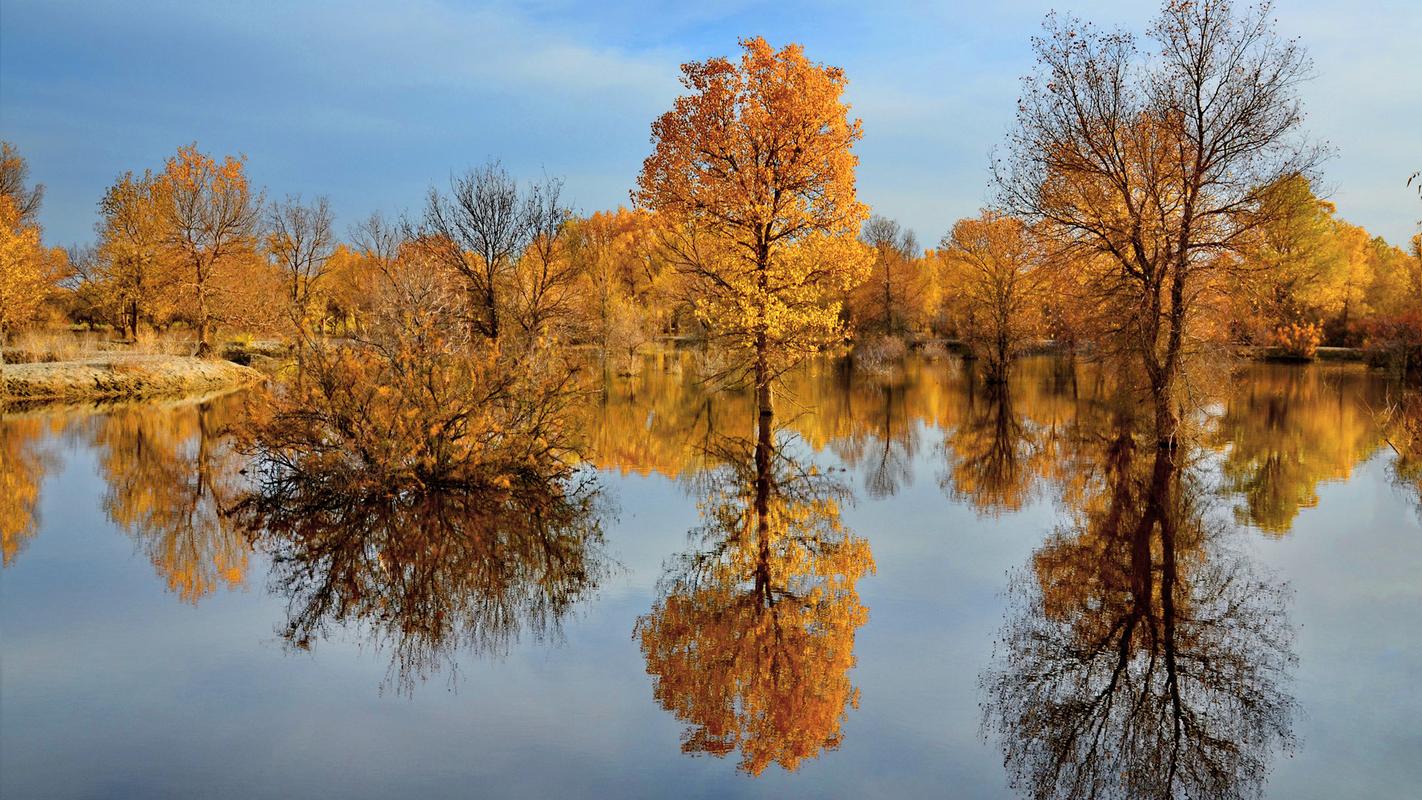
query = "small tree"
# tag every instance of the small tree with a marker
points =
(995, 274)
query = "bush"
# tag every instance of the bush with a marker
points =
(1298, 339)
(1395, 342)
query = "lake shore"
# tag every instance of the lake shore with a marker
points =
(121, 376)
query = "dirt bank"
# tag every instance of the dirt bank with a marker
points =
(121, 375)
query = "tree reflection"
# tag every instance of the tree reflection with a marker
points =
(24, 460)
(1141, 658)
(992, 453)
(752, 638)
(430, 574)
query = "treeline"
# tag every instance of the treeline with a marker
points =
(192, 244)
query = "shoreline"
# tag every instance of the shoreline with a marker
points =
(120, 376)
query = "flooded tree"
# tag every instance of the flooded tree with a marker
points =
(752, 173)
(1150, 167)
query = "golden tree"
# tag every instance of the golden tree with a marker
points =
(212, 215)
(27, 269)
(138, 281)
(754, 174)
(996, 273)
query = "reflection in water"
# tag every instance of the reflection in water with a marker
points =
(1141, 657)
(1282, 431)
(23, 464)
(430, 574)
(993, 454)
(426, 530)
(172, 475)
(1286, 430)
(752, 638)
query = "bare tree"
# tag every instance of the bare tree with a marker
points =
(890, 281)
(14, 176)
(547, 272)
(480, 230)
(300, 238)
(1149, 164)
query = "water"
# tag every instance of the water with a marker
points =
(945, 572)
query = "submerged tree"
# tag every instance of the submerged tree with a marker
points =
(1141, 657)
(1150, 167)
(752, 639)
(753, 175)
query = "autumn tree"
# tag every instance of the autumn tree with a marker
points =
(995, 274)
(28, 270)
(212, 216)
(624, 292)
(14, 184)
(135, 277)
(300, 239)
(1147, 163)
(546, 274)
(890, 302)
(754, 173)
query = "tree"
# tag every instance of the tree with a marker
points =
(300, 239)
(480, 232)
(137, 281)
(754, 173)
(1148, 167)
(28, 271)
(546, 274)
(995, 273)
(14, 176)
(212, 216)
(891, 300)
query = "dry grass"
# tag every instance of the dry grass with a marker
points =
(120, 375)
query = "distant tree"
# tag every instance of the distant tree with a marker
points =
(1149, 165)
(890, 301)
(753, 173)
(996, 273)
(545, 276)
(479, 231)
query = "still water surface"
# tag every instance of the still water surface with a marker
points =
(925, 589)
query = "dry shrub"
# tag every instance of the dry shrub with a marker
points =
(417, 403)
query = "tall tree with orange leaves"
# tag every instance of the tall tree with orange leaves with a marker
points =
(753, 170)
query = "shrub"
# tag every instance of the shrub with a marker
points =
(1298, 339)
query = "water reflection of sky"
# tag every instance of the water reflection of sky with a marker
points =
(113, 687)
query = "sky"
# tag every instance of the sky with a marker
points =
(372, 103)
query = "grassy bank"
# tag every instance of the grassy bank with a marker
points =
(121, 375)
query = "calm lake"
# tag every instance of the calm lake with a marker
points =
(924, 587)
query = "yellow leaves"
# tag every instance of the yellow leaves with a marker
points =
(754, 174)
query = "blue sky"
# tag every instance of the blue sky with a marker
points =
(370, 103)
